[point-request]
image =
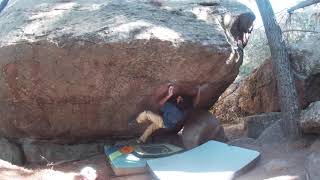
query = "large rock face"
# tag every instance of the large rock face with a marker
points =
(258, 92)
(77, 69)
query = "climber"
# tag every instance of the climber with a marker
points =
(173, 110)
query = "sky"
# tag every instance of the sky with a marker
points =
(277, 5)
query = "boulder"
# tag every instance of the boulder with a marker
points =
(200, 127)
(256, 124)
(272, 134)
(312, 161)
(254, 95)
(312, 165)
(258, 93)
(310, 118)
(80, 70)
(11, 152)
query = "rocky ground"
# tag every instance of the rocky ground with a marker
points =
(280, 160)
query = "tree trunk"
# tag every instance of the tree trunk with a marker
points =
(303, 4)
(285, 81)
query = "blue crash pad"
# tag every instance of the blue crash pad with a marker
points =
(136, 162)
(124, 164)
(212, 160)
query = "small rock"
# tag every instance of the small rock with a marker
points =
(312, 165)
(315, 147)
(276, 165)
(11, 152)
(301, 143)
(89, 173)
(285, 178)
(312, 162)
(310, 118)
(245, 143)
(235, 131)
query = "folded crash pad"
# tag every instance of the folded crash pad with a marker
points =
(126, 162)
(212, 160)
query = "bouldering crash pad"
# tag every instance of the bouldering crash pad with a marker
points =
(155, 150)
(212, 160)
(126, 160)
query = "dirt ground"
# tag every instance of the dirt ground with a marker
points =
(98, 163)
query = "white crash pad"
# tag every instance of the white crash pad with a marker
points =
(212, 160)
